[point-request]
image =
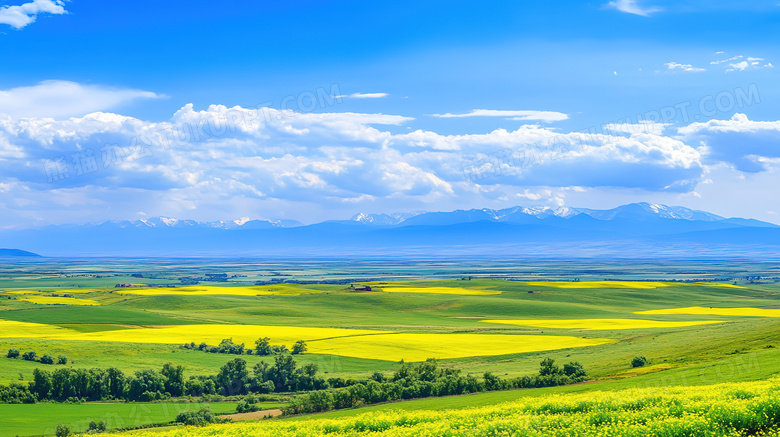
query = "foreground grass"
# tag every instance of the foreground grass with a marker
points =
(735, 409)
(42, 419)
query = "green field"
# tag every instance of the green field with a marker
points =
(41, 419)
(422, 313)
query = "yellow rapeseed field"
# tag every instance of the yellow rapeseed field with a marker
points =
(12, 329)
(180, 334)
(736, 409)
(418, 347)
(51, 300)
(599, 324)
(439, 290)
(747, 311)
(381, 345)
(202, 290)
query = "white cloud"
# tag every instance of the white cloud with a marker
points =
(733, 58)
(363, 96)
(547, 116)
(747, 145)
(684, 67)
(632, 7)
(750, 63)
(224, 162)
(739, 66)
(20, 16)
(59, 99)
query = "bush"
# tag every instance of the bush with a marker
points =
(299, 347)
(62, 359)
(202, 417)
(247, 405)
(96, 427)
(62, 431)
(639, 361)
(46, 359)
(13, 353)
(574, 370)
(29, 356)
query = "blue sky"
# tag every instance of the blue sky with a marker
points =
(413, 103)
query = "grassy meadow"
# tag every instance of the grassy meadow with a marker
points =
(693, 334)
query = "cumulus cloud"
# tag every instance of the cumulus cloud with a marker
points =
(59, 99)
(745, 144)
(240, 161)
(683, 67)
(546, 116)
(632, 7)
(20, 16)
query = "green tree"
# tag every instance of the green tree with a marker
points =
(13, 353)
(263, 346)
(46, 359)
(174, 379)
(574, 370)
(62, 359)
(29, 356)
(41, 384)
(299, 347)
(233, 377)
(639, 361)
(548, 367)
(62, 431)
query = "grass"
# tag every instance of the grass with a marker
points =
(41, 419)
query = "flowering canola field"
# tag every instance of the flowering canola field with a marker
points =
(740, 409)
(750, 312)
(359, 343)
(600, 324)
(51, 300)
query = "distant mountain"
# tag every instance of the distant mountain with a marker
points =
(8, 253)
(518, 214)
(168, 222)
(639, 230)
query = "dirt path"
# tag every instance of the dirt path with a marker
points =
(256, 415)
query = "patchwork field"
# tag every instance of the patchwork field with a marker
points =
(691, 334)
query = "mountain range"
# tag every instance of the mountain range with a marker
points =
(638, 230)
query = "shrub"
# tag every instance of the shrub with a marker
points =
(62, 431)
(299, 347)
(639, 361)
(46, 359)
(247, 405)
(574, 370)
(96, 427)
(202, 417)
(29, 356)
(62, 359)
(13, 353)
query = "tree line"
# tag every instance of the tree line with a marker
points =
(235, 378)
(428, 379)
(263, 347)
